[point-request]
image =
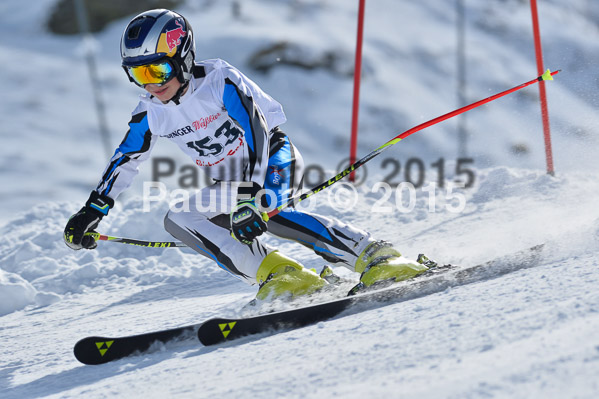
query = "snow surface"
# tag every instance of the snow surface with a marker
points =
(529, 334)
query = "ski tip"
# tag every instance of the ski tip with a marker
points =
(548, 75)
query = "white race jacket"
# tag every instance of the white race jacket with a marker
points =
(222, 122)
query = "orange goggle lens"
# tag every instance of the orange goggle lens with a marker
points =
(152, 73)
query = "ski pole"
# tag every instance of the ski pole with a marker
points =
(131, 241)
(548, 75)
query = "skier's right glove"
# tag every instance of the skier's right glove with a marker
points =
(86, 220)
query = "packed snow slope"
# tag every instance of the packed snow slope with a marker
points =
(531, 333)
(528, 334)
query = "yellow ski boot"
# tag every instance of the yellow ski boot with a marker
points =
(380, 264)
(280, 276)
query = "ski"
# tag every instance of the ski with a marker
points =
(218, 330)
(95, 350)
(99, 350)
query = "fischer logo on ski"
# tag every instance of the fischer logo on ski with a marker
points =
(226, 328)
(103, 346)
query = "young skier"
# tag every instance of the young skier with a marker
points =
(230, 128)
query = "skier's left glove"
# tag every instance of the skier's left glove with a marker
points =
(247, 222)
(86, 220)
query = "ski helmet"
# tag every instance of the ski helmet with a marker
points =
(158, 45)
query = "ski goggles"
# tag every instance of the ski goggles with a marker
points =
(157, 74)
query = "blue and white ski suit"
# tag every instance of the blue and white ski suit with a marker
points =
(230, 129)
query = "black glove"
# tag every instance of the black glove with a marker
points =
(86, 220)
(247, 222)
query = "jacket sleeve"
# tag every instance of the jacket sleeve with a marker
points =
(239, 100)
(133, 150)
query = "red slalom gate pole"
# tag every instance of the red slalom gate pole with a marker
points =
(542, 93)
(356, 102)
